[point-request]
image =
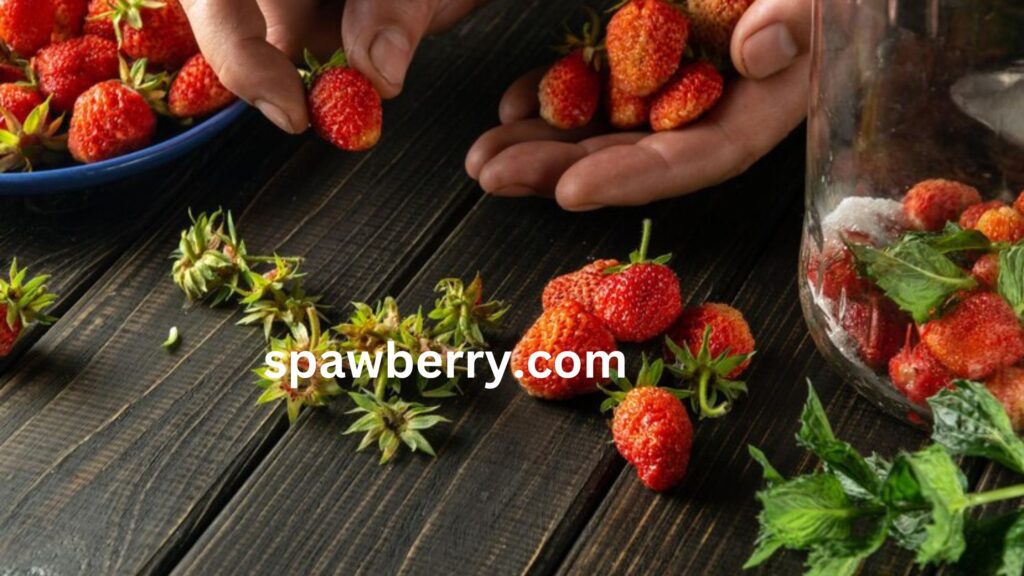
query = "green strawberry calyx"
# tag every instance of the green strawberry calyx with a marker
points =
(649, 376)
(461, 313)
(25, 301)
(639, 256)
(35, 139)
(589, 40)
(391, 423)
(128, 12)
(711, 375)
(314, 69)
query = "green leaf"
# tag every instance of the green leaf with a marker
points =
(970, 421)
(839, 457)
(806, 511)
(843, 558)
(954, 239)
(1010, 283)
(994, 546)
(771, 475)
(930, 479)
(915, 275)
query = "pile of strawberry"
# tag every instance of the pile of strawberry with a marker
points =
(939, 297)
(656, 75)
(606, 303)
(91, 78)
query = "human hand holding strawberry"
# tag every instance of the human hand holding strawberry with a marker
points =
(587, 168)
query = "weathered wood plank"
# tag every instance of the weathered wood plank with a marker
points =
(709, 523)
(118, 453)
(516, 478)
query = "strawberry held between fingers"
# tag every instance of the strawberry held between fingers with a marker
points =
(344, 107)
(645, 42)
(694, 90)
(578, 286)
(567, 327)
(22, 303)
(196, 90)
(651, 428)
(640, 299)
(67, 69)
(26, 25)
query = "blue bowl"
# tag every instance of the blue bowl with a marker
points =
(91, 175)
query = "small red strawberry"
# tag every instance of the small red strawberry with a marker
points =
(714, 22)
(876, 325)
(917, 373)
(709, 347)
(22, 303)
(67, 69)
(977, 337)
(37, 139)
(696, 88)
(834, 275)
(640, 299)
(116, 117)
(69, 16)
(1007, 385)
(932, 203)
(625, 111)
(344, 107)
(1002, 225)
(196, 90)
(578, 286)
(97, 19)
(19, 100)
(26, 25)
(156, 30)
(570, 91)
(651, 428)
(564, 328)
(986, 270)
(970, 216)
(645, 42)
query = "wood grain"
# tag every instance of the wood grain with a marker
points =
(516, 477)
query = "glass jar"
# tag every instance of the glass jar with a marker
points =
(902, 91)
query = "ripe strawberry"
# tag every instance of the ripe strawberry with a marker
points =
(651, 428)
(69, 16)
(570, 90)
(1007, 385)
(67, 69)
(645, 42)
(696, 88)
(116, 117)
(986, 270)
(640, 299)
(567, 327)
(917, 373)
(34, 140)
(26, 25)
(714, 22)
(196, 90)
(578, 286)
(834, 276)
(980, 335)
(19, 100)
(729, 333)
(969, 218)
(21, 303)
(344, 107)
(625, 111)
(12, 68)
(932, 203)
(97, 19)
(877, 327)
(156, 30)
(1002, 225)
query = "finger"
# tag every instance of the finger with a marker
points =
(520, 100)
(451, 11)
(288, 24)
(494, 141)
(771, 36)
(243, 60)
(741, 130)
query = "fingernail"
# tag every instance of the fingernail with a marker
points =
(768, 51)
(390, 55)
(275, 115)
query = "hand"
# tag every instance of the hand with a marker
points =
(251, 44)
(587, 168)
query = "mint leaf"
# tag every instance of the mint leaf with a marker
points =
(994, 546)
(1010, 283)
(916, 276)
(929, 479)
(839, 457)
(953, 238)
(771, 475)
(806, 511)
(843, 558)
(970, 421)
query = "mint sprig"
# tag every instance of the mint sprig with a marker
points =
(1010, 283)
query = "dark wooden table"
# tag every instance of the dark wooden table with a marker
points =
(117, 457)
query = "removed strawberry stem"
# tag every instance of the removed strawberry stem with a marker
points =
(173, 339)
(22, 302)
(708, 375)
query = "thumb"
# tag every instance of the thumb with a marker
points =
(771, 36)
